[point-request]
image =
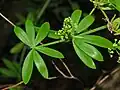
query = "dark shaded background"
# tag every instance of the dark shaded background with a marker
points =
(55, 14)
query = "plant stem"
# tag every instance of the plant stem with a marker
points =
(105, 15)
(13, 86)
(94, 30)
(22, 55)
(42, 10)
(66, 68)
(59, 70)
(52, 43)
(65, 76)
(92, 11)
(7, 19)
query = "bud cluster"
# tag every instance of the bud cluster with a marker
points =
(116, 47)
(65, 32)
(100, 2)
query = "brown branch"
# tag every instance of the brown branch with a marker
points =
(7, 19)
(102, 79)
(66, 68)
(65, 76)
(12, 86)
(58, 69)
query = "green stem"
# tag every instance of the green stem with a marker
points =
(52, 43)
(22, 55)
(42, 10)
(13, 86)
(118, 52)
(94, 30)
(92, 11)
(105, 15)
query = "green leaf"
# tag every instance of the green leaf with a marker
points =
(118, 47)
(18, 69)
(117, 32)
(89, 50)
(39, 62)
(52, 34)
(17, 48)
(17, 66)
(116, 4)
(21, 19)
(50, 52)
(31, 16)
(96, 40)
(30, 31)
(22, 35)
(85, 23)
(9, 64)
(15, 88)
(7, 73)
(76, 16)
(42, 33)
(87, 60)
(27, 67)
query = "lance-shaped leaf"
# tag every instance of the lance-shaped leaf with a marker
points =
(87, 60)
(17, 48)
(85, 23)
(22, 35)
(17, 67)
(27, 67)
(30, 30)
(52, 34)
(50, 52)
(89, 50)
(39, 62)
(116, 4)
(7, 73)
(9, 64)
(76, 16)
(42, 32)
(96, 40)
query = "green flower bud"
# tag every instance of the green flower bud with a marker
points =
(115, 45)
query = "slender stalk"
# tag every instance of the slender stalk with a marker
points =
(7, 19)
(94, 30)
(92, 11)
(74, 7)
(13, 86)
(105, 15)
(59, 70)
(65, 76)
(42, 10)
(52, 43)
(22, 55)
(67, 68)
(50, 78)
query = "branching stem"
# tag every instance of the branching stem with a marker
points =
(66, 68)
(65, 76)
(105, 15)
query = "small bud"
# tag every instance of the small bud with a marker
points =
(118, 59)
(115, 40)
(111, 56)
(119, 42)
(115, 45)
(112, 52)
